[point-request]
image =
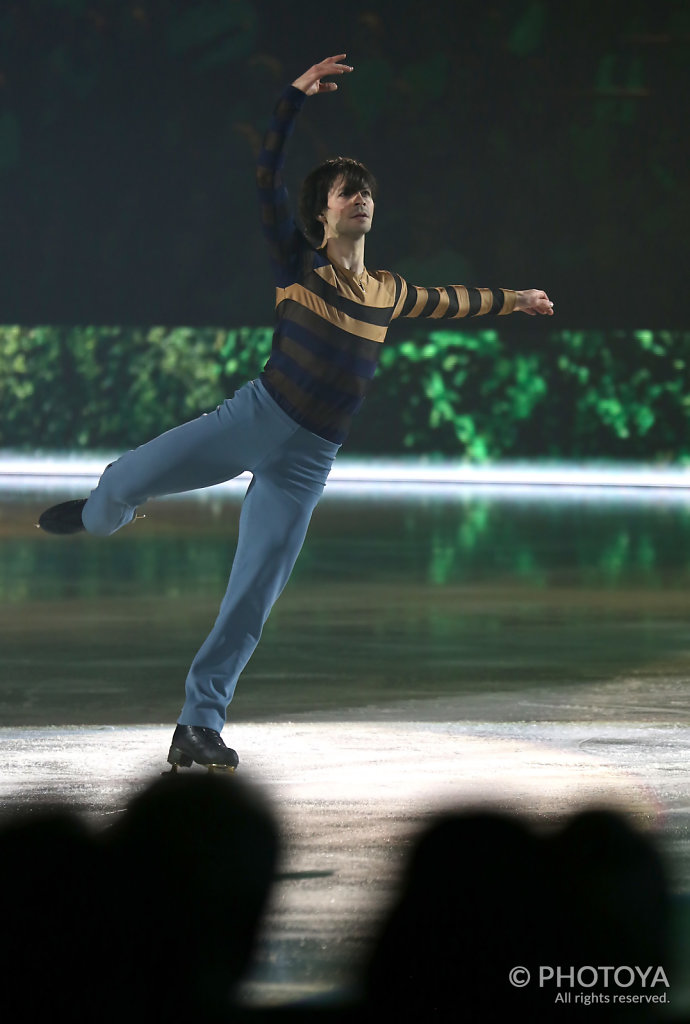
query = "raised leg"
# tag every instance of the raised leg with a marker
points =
(208, 450)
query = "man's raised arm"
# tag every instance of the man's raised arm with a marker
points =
(278, 223)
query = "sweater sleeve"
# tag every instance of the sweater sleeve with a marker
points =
(451, 302)
(279, 227)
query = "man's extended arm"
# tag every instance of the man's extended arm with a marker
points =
(456, 301)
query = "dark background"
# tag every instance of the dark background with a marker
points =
(516, 143)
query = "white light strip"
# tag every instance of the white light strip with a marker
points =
(22, 472)
(505, 474)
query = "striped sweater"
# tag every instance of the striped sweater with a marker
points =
(330, 324)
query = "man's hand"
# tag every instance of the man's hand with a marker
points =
(312, 82)
(533, 301)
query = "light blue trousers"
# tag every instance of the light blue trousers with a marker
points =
(290, 466)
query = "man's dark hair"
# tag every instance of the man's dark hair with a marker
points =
(315, 188)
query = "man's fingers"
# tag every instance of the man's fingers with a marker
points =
(326, 68)
(332, 65)
(311, 82)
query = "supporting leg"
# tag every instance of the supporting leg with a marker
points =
(273, 524)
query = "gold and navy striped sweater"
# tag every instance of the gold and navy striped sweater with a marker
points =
(330, 324)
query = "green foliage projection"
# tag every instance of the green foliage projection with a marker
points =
(469, 394)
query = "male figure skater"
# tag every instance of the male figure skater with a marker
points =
(285, 427)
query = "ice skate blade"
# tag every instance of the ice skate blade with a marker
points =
(178, 759)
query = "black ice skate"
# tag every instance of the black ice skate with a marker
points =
(63, 518)
(203, 746)
(66, 517)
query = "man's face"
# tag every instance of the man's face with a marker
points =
(348, 214)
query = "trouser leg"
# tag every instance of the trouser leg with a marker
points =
(208, 450)
(273, 524)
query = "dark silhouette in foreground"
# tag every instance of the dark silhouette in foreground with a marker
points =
(156, 917)
(484, 894)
